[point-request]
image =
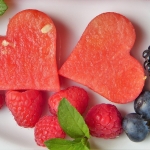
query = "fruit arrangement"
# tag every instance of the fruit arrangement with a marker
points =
(97, 52)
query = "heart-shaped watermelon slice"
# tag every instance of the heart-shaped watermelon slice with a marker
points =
(101, 59)
(28, 53)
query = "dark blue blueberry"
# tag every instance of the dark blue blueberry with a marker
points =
(135, 127)
(142, 105)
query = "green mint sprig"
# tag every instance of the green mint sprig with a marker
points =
(74, 125)
(3, 7)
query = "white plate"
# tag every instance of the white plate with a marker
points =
(71, 18)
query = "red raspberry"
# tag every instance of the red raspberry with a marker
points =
(26, 106)
(47, 128)
(104, 121)
(1, 101)
(77, 96)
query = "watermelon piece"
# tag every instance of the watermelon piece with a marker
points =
(101, 59)
(28, 53)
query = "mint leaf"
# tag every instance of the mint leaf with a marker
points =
(71, 121)
(3, 7)
(62, 144)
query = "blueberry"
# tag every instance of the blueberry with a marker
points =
(135, 127)
(142, 105)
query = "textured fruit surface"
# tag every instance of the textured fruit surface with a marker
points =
(142, 105)
(104, 121)
(101, 59)
(26, 106)
(47, 128)
(146, 56)
(28, 53)
(77, 96)
(1, 101)
(135, 127)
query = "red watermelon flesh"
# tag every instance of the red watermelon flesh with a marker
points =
(101, 59)
(28, 53)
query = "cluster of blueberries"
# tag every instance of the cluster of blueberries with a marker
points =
(137, 125)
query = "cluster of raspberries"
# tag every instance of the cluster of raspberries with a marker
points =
(103, 120)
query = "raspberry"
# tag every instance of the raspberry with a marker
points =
(47, 128)
(104, 121)
(77, 96)
(26, 106)
(1, 101)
